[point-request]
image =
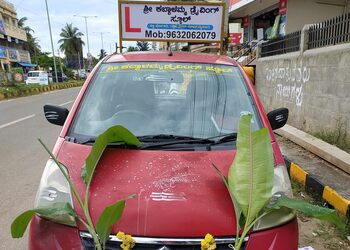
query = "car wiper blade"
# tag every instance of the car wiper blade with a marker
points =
(175, 142)
(229, 137)
(86, 140)
(165, 137)
(111, 144)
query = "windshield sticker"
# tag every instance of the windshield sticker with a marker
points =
(166, 67)
(219, 70)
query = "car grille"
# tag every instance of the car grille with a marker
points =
(222, 243)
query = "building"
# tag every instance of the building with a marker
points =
(258, 17)
(12, 39)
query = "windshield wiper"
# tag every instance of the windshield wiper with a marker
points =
(227, 138)
(161, 137)
(190, 140)
(86, 140)
(168, 140)
(92, 140)
(176, 140)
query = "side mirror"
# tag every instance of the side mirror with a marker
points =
(278, 118)
(55, 114)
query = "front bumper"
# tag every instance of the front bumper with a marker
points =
(51, 236)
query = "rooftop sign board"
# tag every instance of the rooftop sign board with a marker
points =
(171, 21)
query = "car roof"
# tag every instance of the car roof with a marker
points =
(177, 56)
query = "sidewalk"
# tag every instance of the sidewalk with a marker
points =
(320, 178)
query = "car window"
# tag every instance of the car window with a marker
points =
(33, 74)
(188, 99)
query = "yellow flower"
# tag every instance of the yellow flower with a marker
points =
(127, 240)
(208, 243)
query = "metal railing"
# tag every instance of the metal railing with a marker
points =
(289, 43)
(248, 56)
(330, 32)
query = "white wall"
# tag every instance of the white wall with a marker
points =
(256, 6)
(301, 12)
(313, 85)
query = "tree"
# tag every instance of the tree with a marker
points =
(32, 44)
(102, 54)
(21, 24)
(143, 46)
(72, 45)
(132, 48)
(44, 60)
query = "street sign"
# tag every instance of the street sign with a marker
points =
(171, 21)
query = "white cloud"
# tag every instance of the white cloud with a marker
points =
(63, 11)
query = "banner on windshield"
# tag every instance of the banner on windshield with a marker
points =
(171, 21)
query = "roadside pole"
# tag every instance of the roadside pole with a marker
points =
(58, 51)
(120, 26)
(53, 50)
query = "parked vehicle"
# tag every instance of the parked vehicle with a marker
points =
(37, 77)
(61, 77)
(180, 197)
(80, 74)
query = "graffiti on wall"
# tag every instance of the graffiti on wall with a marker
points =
(289, 82)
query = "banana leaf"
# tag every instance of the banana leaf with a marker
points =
(308, 209)
(116, 134)
(250, 177)
(54, 212)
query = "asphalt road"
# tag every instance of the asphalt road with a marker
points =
(22, 158)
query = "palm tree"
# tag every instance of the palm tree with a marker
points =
(32, 46)
(132, 48)
(102, 54)
(71, 45)
(21, 24)
(142, 46)
(32, 43)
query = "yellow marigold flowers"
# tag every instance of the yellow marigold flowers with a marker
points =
(127, 240)
(208, 243)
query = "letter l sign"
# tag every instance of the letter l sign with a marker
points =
(127, 22)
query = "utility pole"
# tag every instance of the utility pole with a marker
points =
(86, 28)
(59, 56)
(101, 33)
(53, 50)
(79, 60)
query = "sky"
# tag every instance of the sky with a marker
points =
(63, 11)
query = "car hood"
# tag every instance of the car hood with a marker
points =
(178, 193)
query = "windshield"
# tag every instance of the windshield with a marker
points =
(149, 98)
(33, 74)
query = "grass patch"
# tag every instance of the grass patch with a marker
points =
(337, 137)
(20, 90)
(331, 236)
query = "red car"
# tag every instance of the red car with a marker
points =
(184, 108)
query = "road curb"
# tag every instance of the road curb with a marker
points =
(330, 153)
(317, 189)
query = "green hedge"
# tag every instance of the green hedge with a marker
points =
(25, 90)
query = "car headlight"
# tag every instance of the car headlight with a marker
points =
(281, 216)
(54, 188)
